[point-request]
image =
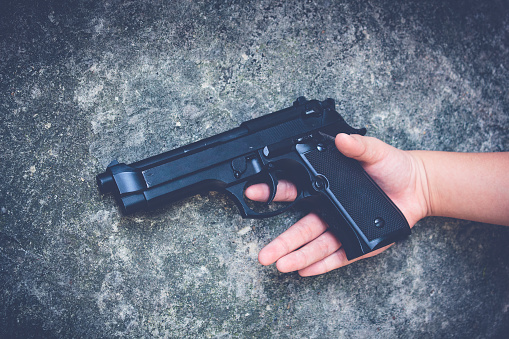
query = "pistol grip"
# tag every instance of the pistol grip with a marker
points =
(357, 210)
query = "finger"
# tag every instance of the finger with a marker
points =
(364, 149)
(302, 232)
(286, 191)
(335, 260)
(316, 250)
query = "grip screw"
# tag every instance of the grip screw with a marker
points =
(320, 183)
(379, 223)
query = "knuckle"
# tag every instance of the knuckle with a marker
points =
(283, 244)
(305, 229)
(289, 191)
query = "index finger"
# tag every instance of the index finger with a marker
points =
(285, 192)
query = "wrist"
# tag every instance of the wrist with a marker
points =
(423, 186)
(471, 186)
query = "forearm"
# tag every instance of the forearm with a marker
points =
(472, 186)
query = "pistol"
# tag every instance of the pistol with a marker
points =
(295, 143)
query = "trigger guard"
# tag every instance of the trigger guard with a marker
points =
(237, 193)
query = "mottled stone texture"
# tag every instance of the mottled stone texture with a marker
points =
(85, 82)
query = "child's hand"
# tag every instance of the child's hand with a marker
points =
(307, 246)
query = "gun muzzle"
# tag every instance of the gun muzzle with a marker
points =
(105, 182)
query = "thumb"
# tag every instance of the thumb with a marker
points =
(367, 150)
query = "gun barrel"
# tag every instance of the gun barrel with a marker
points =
(191, 148)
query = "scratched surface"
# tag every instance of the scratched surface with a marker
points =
(85, 82)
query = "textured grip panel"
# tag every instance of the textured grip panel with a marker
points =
(363, 200)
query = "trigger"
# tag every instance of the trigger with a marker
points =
(272, 186)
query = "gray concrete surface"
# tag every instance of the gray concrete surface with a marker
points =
(85, 82)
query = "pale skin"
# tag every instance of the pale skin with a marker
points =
(472, 186)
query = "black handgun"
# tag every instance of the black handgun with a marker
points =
(295, 143)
